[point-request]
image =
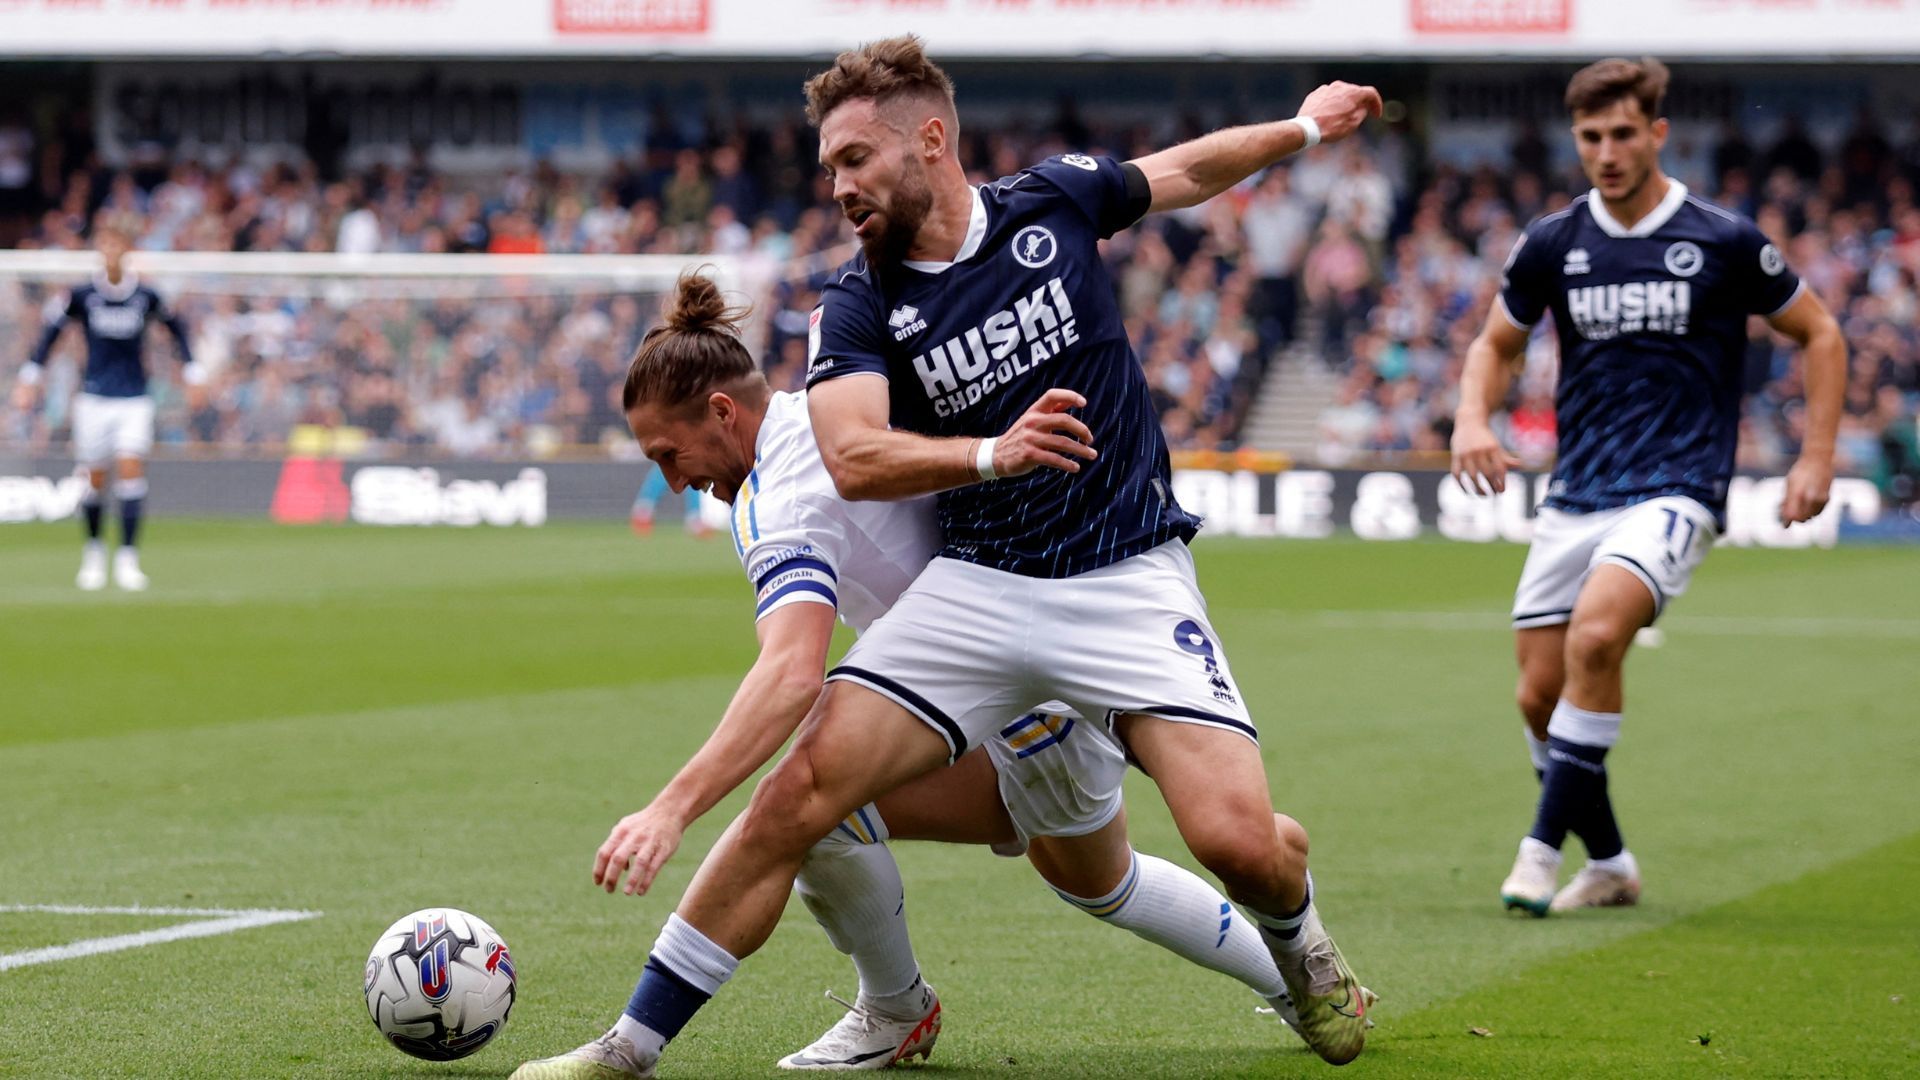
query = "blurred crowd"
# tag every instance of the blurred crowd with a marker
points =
(1364, 257)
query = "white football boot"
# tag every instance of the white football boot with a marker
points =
(1534, 880)
(1331, 1005)
(1613, 882)
(610, 1057)
(866, 1039)
(93, 567)
(126, 570)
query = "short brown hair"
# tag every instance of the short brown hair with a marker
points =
(695, 352)
(893, 69)
(1604, 82)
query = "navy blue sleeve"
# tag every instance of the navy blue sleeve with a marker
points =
(1526, 282)
(158, 309)
(1112, 194)
(843, 333)
(1760, 272)
(58, 311)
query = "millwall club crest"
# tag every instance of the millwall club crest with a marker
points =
(1034, 246)
(1684, 259)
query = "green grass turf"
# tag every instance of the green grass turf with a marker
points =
(363, 722)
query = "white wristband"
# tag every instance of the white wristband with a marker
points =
(30, 374)
(983, 460)
(1312, 129)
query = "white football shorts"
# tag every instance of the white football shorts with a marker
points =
(1059, 775)
(967, 646)
(105, 428)
(1660, 541)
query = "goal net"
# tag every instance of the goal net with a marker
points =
(389, 355)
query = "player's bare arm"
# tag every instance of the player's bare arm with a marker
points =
(1824, 356)
(772, 700)
(1193, 172)
(1480, 463)
(870, 460)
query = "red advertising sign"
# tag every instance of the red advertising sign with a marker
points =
(1492, 16)
(630, 16)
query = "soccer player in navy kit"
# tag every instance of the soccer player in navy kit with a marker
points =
(112, 415)
(1065, 573)
(1650, 289)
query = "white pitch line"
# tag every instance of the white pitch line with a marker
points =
(212, 921)
(1709, 625)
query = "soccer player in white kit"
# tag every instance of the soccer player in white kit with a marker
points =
(112, 414)
(1651, 290)
(1064, 573)
(1046, 782)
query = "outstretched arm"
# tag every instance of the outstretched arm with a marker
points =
(770, 703)
(869, 460)
(26, 391)
(1824, 359)
(1480, 463)
(1193, 172)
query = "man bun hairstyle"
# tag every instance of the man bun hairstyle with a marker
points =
(1600, 84)
(895, 69)
(695, 351)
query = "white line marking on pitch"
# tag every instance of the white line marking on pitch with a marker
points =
(1710, 625)
(209, 922)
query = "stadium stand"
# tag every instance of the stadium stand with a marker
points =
(1371, 261)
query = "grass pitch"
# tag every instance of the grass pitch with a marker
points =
(363, 722)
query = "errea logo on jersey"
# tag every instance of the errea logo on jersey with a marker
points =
(959, 373)
(1577, 263)
(906, 322)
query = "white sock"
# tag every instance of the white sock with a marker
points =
(1539, 849)
(1536, 750)
(1622, 863)
(852, 885)
(693, 956)
(1283, 933)
(647, 1042)
(1178, 911)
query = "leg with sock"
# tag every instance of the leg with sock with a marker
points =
(131, 492)
(1216, 787)
(1613, 605)
(1177, 910)
(854, 745)
(93, 556)
(1579, 740)
(852, 886)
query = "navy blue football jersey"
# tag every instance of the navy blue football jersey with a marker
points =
(1652, 323)
(115, 318)
(968, 346)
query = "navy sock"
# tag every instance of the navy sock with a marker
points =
(664, 1001)
(130, 510)
(1597, 828)
(91, 513)
(1576, 782)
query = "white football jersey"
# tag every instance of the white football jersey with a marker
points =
(800, 542)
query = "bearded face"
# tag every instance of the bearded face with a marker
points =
(892, 230)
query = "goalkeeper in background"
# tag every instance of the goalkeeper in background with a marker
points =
(112, 414)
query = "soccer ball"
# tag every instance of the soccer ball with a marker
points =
(439, 984)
